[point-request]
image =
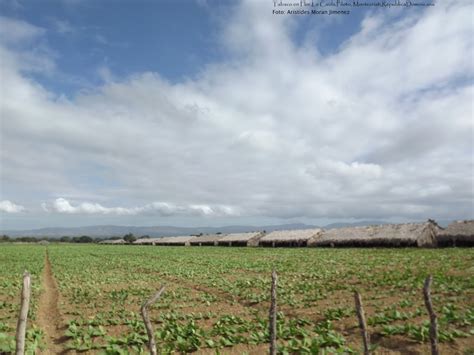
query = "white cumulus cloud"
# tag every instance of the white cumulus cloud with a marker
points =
(12, 30)
(9, 207)
(381, 127)
(62, 205)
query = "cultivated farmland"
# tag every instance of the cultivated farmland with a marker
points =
(217, 298)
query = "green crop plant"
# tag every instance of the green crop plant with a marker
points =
(217, 299)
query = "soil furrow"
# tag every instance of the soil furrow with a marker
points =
(49, 317)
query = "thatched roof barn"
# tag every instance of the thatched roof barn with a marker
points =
(241, 239)
(147, 241)
(387, 235)
(113, 241)
(289, 238)
(176, 241)
(208, 239)
(457, 234)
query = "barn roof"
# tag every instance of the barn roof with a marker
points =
(291, 235)
(207, 238)
(175, 240)
(421, 234)
(239, 237)
(459, 228)
(113, 241)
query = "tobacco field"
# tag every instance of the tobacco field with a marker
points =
(216, 299)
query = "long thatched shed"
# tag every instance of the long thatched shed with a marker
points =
(241, 239)
(289, 238)
(208, 239)
(457, 234)
(146, 241)
(175, 241)
(386, 235)
(113, 242)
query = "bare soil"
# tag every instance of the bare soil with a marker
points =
(49, 317)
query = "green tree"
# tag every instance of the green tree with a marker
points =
(83, 239)
(129, 238)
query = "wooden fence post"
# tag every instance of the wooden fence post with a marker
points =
(362, 323)
(146, 320)
(433, 317)
(273, 314)
(25, 305)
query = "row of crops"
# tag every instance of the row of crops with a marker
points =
(217, 299)
(14, 260)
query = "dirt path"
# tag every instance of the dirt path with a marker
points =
(49, 318)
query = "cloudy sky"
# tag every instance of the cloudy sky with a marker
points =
(204, 113)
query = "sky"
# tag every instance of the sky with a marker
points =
(200, 112)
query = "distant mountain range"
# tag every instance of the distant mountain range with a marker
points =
(106, 231)
(155, 231)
